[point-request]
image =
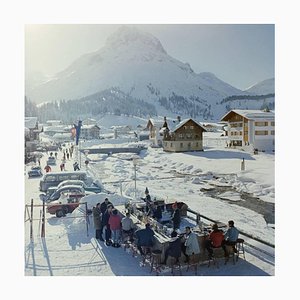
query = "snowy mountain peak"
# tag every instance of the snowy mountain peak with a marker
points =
(263, 87)
(130, 36)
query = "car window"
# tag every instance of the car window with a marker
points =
(62, 177)
(50, 178)
(83, 177)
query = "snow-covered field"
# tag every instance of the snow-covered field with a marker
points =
(69, 248)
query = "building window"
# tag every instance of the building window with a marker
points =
(261, 132)
(185, 127)
(192, 127)
(197, 144)
(272, 132)
(241, 133)
(166, 144)
(236, 124)
(261, 123)
(171, 145)
(181, 145)
(237, 143)
(180, 135)
(188, 135)
(273, 123)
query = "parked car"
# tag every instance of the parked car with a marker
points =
(35, 172)
(51, 160)
(62, 206)
(73, 191)
(55, 178)
(94, 187)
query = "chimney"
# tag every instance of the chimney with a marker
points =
(165, 119)
(179, 119)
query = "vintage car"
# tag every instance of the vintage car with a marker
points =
(73, 191)
(62, 206)
(51, 160)
(94, 187)
(35, 172)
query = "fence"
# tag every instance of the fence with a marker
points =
(28, 216)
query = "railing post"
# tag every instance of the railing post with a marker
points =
(87, 219)
(43, 221)
(31, 220)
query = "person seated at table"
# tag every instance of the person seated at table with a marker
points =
(230, 237)
(155, 212)
(214, 240)
(176, 218)
(145, 238)
(174, 248)
(127, 226)
(191, 244)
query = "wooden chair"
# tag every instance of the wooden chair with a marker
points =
(217, 253)
(193, 263)
(175, 265)
(155, 261)
(231, 254)
(147, 254)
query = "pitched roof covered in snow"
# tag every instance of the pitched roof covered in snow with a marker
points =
(156, 123)
(175, 126)
(30, 122)
(90, 126)
(250, 114)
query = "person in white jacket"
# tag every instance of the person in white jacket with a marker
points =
(191, 244)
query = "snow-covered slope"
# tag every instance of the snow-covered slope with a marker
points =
(137, 64)
(262, 88)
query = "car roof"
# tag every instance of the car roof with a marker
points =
(70, 186)
(71, 181)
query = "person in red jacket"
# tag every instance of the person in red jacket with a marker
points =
(47, 169)
(115, 227)
(215, 240)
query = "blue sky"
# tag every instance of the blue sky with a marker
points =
(239, 54)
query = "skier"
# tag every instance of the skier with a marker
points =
(76, 166)
(62, 167)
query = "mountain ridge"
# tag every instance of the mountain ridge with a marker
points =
(136, 63)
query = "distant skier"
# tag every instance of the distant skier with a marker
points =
(86, 163)
(76, 166)
(62, 167)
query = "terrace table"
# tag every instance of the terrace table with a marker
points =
(161, 240)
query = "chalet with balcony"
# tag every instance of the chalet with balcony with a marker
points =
(32, 129)
(251, 128)
(183, 136)
(90, 132)
(155, 133)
